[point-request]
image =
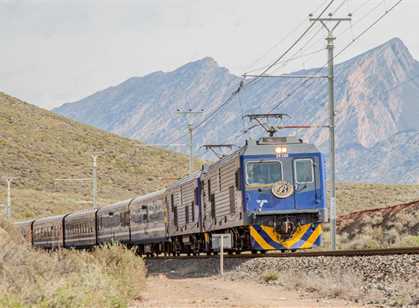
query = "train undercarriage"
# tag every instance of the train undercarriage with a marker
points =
(254, 238)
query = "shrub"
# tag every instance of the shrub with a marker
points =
(270, 276)
(110, 276)
(409, 241)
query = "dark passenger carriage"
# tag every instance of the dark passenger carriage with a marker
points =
(49, 232)
(148, 222)
(25, 228)
(81, 229)
(113, 223)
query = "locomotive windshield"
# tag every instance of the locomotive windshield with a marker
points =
(263, 172)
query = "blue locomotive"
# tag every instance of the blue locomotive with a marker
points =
(268, 195)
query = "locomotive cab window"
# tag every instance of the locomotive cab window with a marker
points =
(263, 172)
(304, 171)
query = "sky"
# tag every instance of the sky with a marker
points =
(58, 51)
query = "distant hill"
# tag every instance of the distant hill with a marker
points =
(376, 103)
(38, 146)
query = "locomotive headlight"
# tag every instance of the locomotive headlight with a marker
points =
(281, 150)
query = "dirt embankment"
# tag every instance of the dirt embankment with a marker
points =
(396, 225)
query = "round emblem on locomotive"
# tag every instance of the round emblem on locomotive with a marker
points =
(282, 189)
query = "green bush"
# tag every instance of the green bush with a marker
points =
(270, 276)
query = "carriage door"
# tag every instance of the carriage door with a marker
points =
(304, 183)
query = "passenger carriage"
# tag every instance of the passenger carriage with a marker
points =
(148, 223)
(48, 232)
(81, 229)
(113, 223)
(25, 228)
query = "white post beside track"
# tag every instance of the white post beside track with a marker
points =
(219, 242)
(222, 255)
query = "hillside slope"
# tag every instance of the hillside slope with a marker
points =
(37, 147)
(376, 98)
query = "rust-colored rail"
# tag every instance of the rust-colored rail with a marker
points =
(336, 253)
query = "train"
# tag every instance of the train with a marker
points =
(267, 195)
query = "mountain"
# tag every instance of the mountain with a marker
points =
(376, 99)
(38, 146)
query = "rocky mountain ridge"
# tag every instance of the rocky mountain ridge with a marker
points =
(376, 102)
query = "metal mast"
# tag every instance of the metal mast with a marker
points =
(8, 210)
(8, 204)
(94, 181)
(330, 46)
(189, 114)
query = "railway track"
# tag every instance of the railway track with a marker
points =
(336, 253)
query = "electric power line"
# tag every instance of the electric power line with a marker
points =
(249, 70)
(337, 54)
(241, 85)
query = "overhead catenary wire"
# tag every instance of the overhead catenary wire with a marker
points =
(357, 9)
(250, 69)
(242, 84)
(288, 95)
(291, 93)
(292, 45)
(306, 44)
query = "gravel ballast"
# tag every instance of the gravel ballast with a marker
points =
(383, 280)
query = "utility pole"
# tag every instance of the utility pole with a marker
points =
(94, 181)
(8, 205)
(330, 24)
(189, 114)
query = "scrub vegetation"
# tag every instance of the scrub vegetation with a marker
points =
(396, 226)
(38, 146)
(110, 276)
(352, 197)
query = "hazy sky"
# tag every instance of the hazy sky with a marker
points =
(56, 51)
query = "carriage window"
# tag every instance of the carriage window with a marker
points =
(264, 172)
(304, 171)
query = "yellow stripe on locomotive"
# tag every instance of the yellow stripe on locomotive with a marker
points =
(267, 238)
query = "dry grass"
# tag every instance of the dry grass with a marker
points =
(110, 276)
(332, 285)
(381, 229)
(37, 146)
(352, 197)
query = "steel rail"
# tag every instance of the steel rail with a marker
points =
(329, 253)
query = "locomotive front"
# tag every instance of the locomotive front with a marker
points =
(283, 182)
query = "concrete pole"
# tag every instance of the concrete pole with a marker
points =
(94, 182)
(188, 114)
(190, 147)
(330, 45)
(9, 199)
(222, 254)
